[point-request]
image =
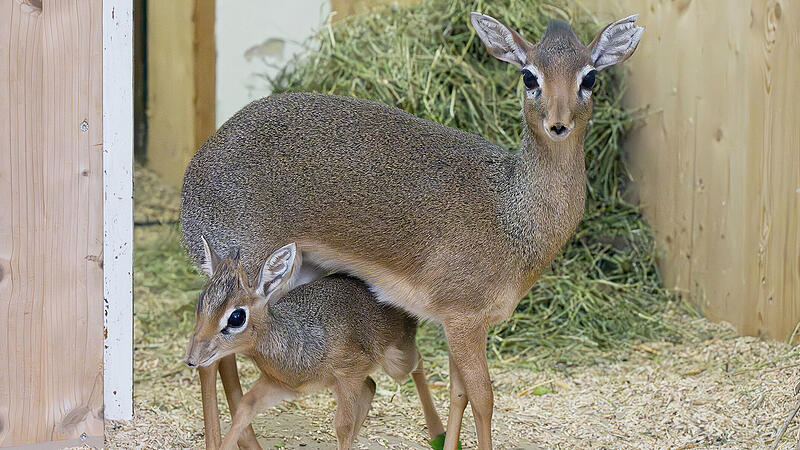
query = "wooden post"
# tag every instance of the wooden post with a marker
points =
(118, 207)
(181, 83)
(51, 224)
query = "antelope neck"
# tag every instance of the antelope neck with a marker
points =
(547, 201)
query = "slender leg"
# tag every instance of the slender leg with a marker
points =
(432, 420)
(208, 389)
(353, 398)
(233, 392)
(266, 393)
(458, 402)
(364, 403)
(467, 342)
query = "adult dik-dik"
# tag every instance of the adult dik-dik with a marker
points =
(438, 221)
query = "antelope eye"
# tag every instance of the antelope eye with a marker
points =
(588, 80)
(530, 80)
(237, 318)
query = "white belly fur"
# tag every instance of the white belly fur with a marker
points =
(388, 286)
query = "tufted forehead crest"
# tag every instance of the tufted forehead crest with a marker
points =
(221, 285)
(559, 43)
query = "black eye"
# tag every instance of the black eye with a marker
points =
(236, 318)
(588, 80)
(531, 82)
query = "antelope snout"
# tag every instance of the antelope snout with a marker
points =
(194, 354)
(557, 130)
(189, 359)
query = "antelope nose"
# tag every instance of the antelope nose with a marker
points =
(559, 130)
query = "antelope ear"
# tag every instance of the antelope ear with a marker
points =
(615, 43)
(501, 42)
(210, 258)
(278, 270)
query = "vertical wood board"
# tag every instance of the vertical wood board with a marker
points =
(717, 161)
(51, 276)
(181, 83)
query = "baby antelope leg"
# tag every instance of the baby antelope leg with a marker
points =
(208, 389)
(233, 392)
(428, 408)
(266, 393)
(353, 400)
(364, 403)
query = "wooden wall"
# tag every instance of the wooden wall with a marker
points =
(51, 221)
(180, 82)
(717, 164)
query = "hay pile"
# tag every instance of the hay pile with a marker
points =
(604, 289)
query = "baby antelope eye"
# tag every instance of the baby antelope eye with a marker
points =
(588, 80)
(237, 318)
(530, 80)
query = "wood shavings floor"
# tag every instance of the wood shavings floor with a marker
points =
(726, 392)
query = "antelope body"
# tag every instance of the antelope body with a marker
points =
(329, 333)
(437, 221)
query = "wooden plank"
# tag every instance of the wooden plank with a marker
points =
(716, 163)
(181, 83)
(205, 73)
(719, 264)
(170, 88)
(774, 172)
(51, 234)
(118, 207)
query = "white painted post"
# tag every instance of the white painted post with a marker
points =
(118, 207)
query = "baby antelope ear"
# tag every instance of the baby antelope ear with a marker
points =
(615, 43)
(501, 42)
(210, 258)
(278, 270)
(235, 254)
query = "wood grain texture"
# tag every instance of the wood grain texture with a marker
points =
(717, 163)
(51, 278)
(181, 83)
(205, 74)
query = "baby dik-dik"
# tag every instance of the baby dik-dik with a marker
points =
(329, 333)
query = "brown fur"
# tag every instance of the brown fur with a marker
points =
(436, 220)
(329, 333)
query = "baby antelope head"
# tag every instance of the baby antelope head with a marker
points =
(558, 71)
(231, 309)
